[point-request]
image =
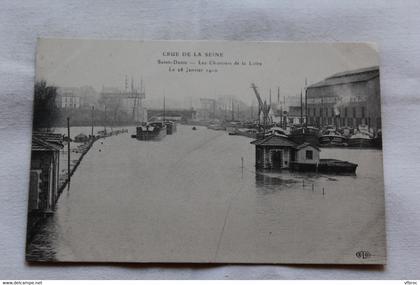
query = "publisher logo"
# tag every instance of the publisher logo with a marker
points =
(363, 254)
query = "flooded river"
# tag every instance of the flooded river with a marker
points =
(188, 199)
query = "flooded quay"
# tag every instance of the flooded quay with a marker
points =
(187, 198)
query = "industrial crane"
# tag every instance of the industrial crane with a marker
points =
(262, 106)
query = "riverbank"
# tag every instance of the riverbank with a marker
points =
(78, 150)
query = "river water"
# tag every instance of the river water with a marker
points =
(188, 199)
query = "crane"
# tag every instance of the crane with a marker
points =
(263, 107)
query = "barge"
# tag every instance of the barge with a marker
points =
(151, 131)
(170, 127)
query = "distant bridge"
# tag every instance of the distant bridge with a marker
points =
(174, 114)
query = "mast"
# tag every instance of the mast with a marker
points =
(93, 109)
(238, 112)
(301, 109)
(278, 104)
(164, 109)
(233, 108)
(306, 102)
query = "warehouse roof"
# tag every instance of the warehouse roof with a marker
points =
(307, 144)
(274, 140)
(358, 75)
(46, 141)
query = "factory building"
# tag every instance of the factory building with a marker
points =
(346, 99)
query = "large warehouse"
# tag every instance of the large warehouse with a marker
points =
(346, 99)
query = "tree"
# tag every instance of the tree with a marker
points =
(45, 110)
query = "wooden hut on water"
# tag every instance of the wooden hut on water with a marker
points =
(278, 152)
(273, 152)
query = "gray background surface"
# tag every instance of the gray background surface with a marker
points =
(394, 25)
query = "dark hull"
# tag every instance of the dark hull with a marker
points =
(246, 134)
(336, 166)
(331, 141)
(154, 135)
(326, 166)
(170, 129)
(302, 138)
(360, 143)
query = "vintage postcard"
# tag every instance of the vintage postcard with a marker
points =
(206, 152)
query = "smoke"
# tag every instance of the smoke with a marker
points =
(344, 94)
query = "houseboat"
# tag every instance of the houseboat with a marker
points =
(151, 131)
(277, 152)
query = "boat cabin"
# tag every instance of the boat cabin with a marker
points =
(307, 153)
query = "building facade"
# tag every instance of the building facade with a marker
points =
(346, 99)
(44, 174)
(296, 115)
(76, 97)
(207, 109)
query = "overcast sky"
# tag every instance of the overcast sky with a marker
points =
(74, 63)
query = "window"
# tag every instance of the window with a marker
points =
(309, 154)
(354, 112)
(320, 112)
(363, 112)
(345, 112)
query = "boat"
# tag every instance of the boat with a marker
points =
(216, 127)
(277, 131)
(362, 138)
(332, 138)
(231, 131)
(194, 128)
(301, 135)
(170, 127)
(336, 166)
(250, 133)
(377, 140)
(151, 131)
(326, 166)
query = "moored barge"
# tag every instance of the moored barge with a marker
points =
(151, 131)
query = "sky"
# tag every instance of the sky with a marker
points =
(284, 65)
